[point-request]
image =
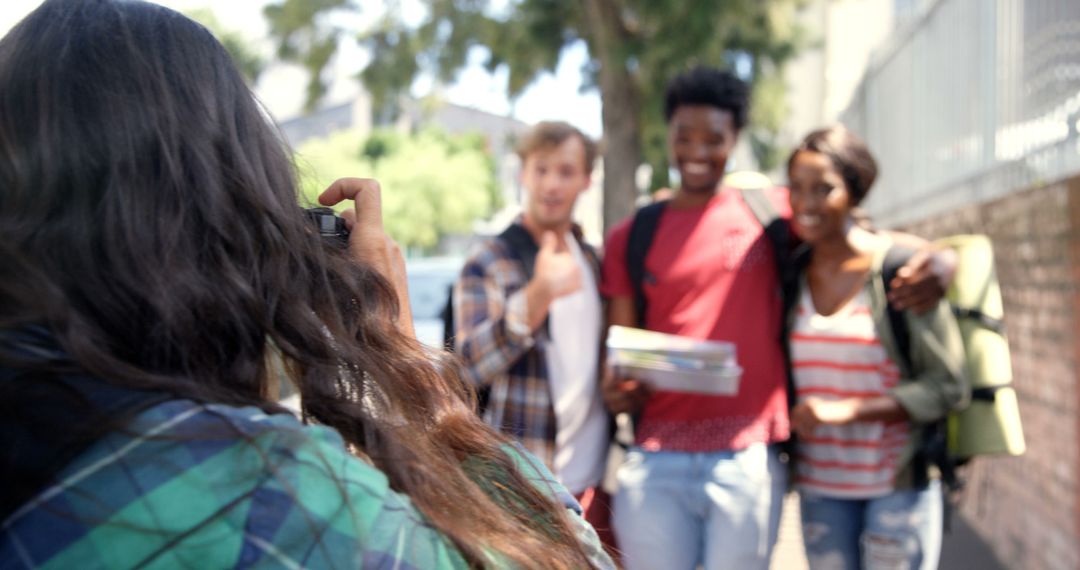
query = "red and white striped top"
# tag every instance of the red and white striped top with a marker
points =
(835, 357)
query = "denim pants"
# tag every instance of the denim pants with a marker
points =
(680, 510)
(900, 531)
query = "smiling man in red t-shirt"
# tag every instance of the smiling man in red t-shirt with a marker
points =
(703, 485)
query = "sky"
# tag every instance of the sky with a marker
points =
(553, 96)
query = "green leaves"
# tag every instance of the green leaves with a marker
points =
(395, 55)
(433, 184)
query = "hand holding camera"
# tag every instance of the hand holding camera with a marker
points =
(368, 242)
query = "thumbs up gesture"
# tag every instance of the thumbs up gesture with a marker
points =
(555, 275)
(556, 269)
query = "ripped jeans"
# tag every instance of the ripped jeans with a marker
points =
(900, 531)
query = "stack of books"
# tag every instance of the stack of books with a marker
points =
(674, 363)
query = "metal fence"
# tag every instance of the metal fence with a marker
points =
(969, 100)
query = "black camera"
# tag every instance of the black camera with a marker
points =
(329, 225)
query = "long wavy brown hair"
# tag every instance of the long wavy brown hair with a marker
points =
(149, 221)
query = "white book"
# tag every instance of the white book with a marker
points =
(674, 363)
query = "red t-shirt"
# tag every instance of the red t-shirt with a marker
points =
(715, 279)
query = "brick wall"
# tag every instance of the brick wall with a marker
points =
(1028, 508)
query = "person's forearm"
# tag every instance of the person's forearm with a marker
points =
(881, 408)
(537, 303)
(621, 311)
(491, 332)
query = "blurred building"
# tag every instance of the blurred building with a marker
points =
(972, 109)
(821, 80)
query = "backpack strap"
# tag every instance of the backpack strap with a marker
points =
(447, 316)
(522, 246)
(980, 318)
(789, 263)
(524, 249)
(777, 232)
(760, 205)
(642, 231)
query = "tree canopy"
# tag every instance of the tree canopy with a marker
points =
(433, 184)
(635, 47)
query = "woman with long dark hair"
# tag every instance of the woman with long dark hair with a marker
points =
(155, 269)
(864, 396)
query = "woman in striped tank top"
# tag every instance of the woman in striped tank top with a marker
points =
(858, 413)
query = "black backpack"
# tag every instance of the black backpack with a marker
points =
(935, 448)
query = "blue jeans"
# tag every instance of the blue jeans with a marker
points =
(901, 530)
(681, 510)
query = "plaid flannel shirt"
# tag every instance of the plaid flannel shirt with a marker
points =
(192, 485)
(503, 357)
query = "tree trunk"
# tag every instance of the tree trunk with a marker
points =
(622, 139)
(621, 99)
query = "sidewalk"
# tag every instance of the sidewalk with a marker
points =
(788, 553)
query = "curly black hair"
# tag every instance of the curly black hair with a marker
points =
(709, 86)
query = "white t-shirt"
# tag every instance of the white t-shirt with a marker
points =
(581, 444)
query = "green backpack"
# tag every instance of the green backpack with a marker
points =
(990, 425)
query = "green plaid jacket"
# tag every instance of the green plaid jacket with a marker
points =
(191, 485)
